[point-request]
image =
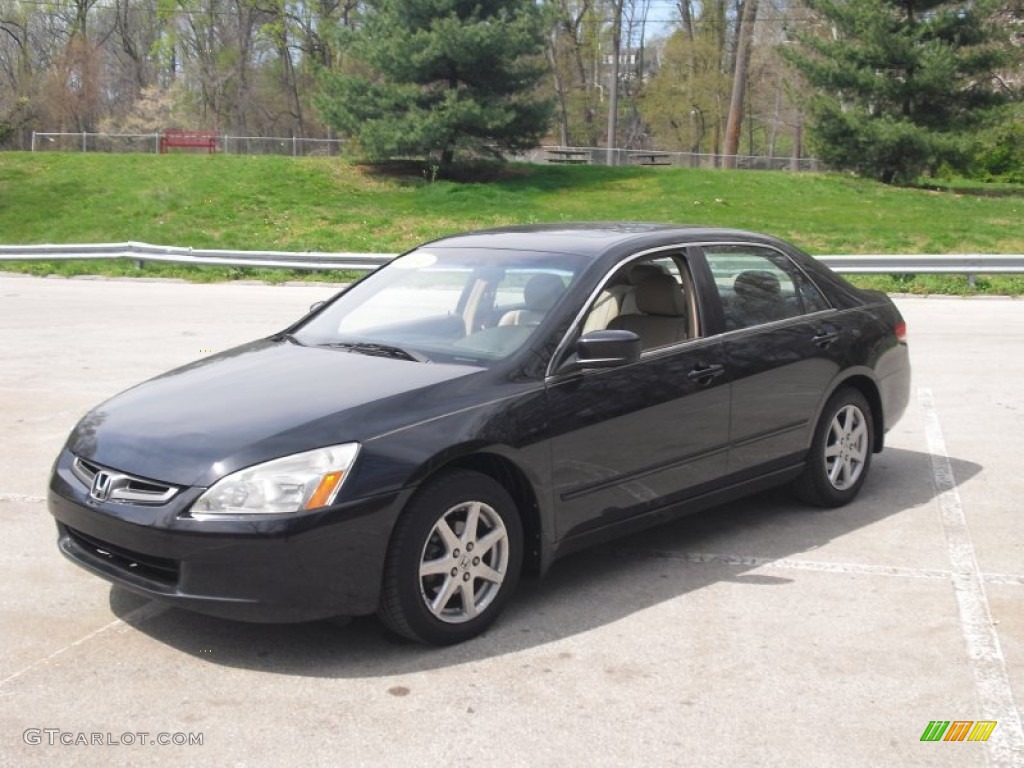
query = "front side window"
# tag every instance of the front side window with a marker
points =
(456, 305)
(653, 297)
(760, 285)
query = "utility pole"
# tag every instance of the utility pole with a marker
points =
(613, 90)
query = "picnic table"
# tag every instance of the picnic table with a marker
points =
(651, 158)
(574, 156)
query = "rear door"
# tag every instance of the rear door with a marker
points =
(628, 440)
(783, 344)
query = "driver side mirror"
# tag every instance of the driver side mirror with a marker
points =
(607, 349)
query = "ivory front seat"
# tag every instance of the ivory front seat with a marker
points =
(637, 275)
(539, 294)
(619, 298)
(661, 318)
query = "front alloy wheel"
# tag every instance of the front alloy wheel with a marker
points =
(454, 559)
(464, 562)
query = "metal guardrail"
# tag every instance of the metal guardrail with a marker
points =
(143, 252)
(962, 264)
(928, 264)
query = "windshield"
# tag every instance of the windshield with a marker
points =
(452, 305)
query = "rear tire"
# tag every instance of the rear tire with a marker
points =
(454, 560)
(840, 454)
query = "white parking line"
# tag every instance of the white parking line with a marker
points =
(20, 497)
(819, 566)
(139, 615)
(1006, 747)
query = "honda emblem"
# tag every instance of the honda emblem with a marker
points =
(101, 483)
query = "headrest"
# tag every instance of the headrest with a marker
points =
(756, 284)
(542, 291)
(660, 294)
(641, 272)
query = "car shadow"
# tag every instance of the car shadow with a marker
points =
(590, 589)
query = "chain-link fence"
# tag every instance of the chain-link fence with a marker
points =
(150, 142)
(264, 145)
(656, 157)
(299, 147)
(95, 142)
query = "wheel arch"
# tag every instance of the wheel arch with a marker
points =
(514, 480)
(867, 387)
(511, 475)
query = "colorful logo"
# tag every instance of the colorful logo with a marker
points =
(959, 730)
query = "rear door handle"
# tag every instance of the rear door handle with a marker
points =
(705, 374)
(824, 338)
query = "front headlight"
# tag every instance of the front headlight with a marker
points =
(296, 483)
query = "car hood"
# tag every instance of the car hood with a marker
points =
(262, 400)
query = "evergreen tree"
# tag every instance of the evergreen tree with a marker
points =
(900, 85)
(436, 76)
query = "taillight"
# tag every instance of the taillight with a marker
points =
(900, 329)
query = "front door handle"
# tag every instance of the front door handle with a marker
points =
(824, 338)
(705, 374)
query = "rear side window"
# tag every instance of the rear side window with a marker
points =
(759, 285)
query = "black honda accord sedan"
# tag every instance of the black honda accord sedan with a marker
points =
(475, 409)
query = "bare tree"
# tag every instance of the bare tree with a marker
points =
(574, 53)
(739, 83)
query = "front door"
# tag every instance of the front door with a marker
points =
(628, 440)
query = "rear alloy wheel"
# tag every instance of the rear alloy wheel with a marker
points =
(840, 455)
(454, 560)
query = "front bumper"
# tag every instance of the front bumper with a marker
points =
(282, 569)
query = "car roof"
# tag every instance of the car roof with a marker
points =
(594, 238)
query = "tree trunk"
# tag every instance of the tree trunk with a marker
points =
(447, 159)
(686, 14)
(798, 141)
(734, 124)
(563, 111)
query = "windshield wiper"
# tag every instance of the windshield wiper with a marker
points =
(379, 350)
(284, 336)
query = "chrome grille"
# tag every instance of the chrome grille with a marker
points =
(110, 485)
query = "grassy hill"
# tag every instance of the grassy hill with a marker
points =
(327, 204)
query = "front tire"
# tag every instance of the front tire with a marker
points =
(840, 454)
(454, 560)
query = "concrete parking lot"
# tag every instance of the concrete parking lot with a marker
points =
(759, 633)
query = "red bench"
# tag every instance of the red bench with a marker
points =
(194, 139)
